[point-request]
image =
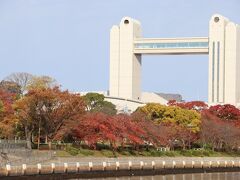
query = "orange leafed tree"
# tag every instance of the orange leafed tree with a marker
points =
(47, 111)
(7, 119)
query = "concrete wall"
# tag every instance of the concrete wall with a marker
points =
(118, 167)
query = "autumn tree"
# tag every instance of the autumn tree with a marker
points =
(220, 134)
(22, 79)
(131, 131)
(97, 128)
(226, 112)
(10, 87)
(172, 114)
(48, 110)
(39, 82)
(192, 105)
(7, 120)
(117, 131)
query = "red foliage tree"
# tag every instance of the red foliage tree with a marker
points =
(221, 135)
(98, 127)
(225, 112)
(177, 135)
(115, 130)
(194, 105)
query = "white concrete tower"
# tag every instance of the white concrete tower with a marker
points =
(224, 61)
(232, 64)
(125, 66)
(216, 86)
(223, 46)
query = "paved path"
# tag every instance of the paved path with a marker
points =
(126, 159)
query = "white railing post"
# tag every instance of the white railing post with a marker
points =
(130, 165)
(8, 169)
(174, 164)
(53, 167)
(65, 167)
(141, 164)
(117, 165)
(153, 164)
(24, 167)
(77, 166)
(104, 166)
(184, 164)
(90, 164)
(225, 163)
(163, 163)
(39, 168)
(193, 164)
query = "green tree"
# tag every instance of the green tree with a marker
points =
(95, 103)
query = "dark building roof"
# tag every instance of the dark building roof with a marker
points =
(169, 97)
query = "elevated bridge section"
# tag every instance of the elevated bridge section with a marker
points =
(192, 45)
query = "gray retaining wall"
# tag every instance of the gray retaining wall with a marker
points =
(119, 167)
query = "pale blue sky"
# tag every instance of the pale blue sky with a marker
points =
(69, 40)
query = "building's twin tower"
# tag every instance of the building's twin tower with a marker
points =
(223, 46)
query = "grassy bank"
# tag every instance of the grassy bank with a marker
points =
(71, 151)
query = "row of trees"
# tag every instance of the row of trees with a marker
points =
(35, 109)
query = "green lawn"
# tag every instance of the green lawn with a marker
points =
(71, 151)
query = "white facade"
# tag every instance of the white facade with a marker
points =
(224, 61)
(222, 45)
(125, 66)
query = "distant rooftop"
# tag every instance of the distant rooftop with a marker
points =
(169, 97)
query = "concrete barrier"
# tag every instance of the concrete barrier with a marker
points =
(215, 164)
(117, 166)
(228, 164)
(188, 164)
(148, 165)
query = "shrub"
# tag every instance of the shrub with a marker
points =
(186, 153)
(86, 152)
(170, 153)
(73, 151)
(108, 153)
(197, 153)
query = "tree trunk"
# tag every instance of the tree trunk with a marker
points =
(46, 139)
(39, 134)
(50, 145)
(28, 136)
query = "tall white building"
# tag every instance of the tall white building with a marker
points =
(223, 46)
